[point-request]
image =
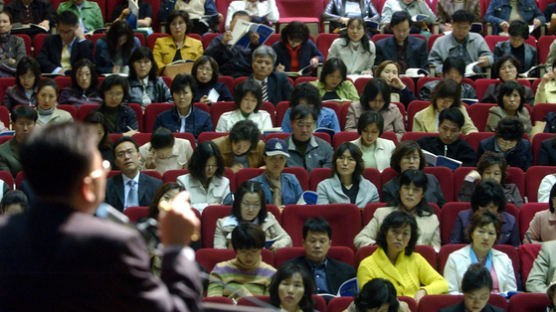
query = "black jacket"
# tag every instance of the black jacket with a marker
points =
(115, 190)
(337, 272)
(547, 154)
(415, 53)
(459, 150)
(51, 53)
(520, 156)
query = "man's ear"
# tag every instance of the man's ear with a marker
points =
(86, 190)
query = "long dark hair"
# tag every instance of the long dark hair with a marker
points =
(364, 40)
(201, 155)
(249, 187)
(287, 270)
(355, 152)
(165, 188)
(116, 30)
(84, 62)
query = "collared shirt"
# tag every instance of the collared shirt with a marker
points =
(126, 186)
(70, 45)
(319, 275)
(402, 60)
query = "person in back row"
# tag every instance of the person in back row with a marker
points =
(275, 86)
(242, 148)
(24, 119)
(452, 68)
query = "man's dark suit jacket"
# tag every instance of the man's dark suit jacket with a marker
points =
(53, 258)
(337, 272)
(460, 307)
(547, 154)
(115, 190)
(51, 53)
(278, 87)
(415, 53)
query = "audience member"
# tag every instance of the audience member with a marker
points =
(260, 11)
(525, 53)
(112, 52)
(23, 119)
(88, 13)
(26, 12)
(276, 87)
(164, 152)
(354, 48)
(542, 273)
(249, 207)
(205, 181)
(506, 70)
(209, 90)
(377, 293)
(543, 228)
(145, 87)
(376, 151)
(546, 91)
(144, 18)
(291, 288)
(327, 273)
(339, 12)
(118, 116)
(242, 148)
(12, 47)
(452, 68)
(446, 8)
(501, 12)
(84, 86)
(295, 51)
(511, 98)
(246, 274)
(131, 187)
(47, 100)
(333, 83)
(13, 201)
(412, 7)
(96, 119)
(184, 116)
(203, 13)
(411, 198)
(59, 52)
(547, 153)
(390, 72)
(24, 93)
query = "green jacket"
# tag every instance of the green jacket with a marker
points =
(9, 157)
(90, 13)
(345, 90)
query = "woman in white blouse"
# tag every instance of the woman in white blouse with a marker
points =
(355, 49)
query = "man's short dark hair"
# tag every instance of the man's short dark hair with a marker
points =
(309, 93)
(123, 139)
(400, 17)
(510, 129)
(476, 277)
(519, 28)
(25, 112)
(452, 114)
(456, 63)
(317, 225)
(68, 18)
(302, 111)
(62, 153)
(463, 16)
(245, 130)
(240, 13)
(162, 138)
(247, 236)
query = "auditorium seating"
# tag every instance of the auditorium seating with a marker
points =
(319, 302)
(209, 257)
(426, 251)
(340, 253)
(527, 254)
(526, 213)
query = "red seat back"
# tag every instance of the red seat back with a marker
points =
(413, 108)
(528, 302)
(534, 176)
(527, 255)
(444, 177)
(478, 112)
(135, 213)
(536, 143)
(209, 257)
(317, 175)
(543, 47)
(324, 41)
(526, 213)
(319, 302)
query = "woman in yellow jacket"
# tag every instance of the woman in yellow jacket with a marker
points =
(396, 261)
(177, 46)
(447, 93)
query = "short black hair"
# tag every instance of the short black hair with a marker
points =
(48, 82)
(25, 112)
(302, 111)
(112, 81)
(394, 220)
(245, 130)
(295, 30)
(84, 62)
(510, 129)
(490, 158)
(376, 293)
(552, 195)
(519, 28)
(285, 271)
(476, 277)
(24, 65)
(372, 89)
(399, 17)
(488, 191)
(201, 155)
(248, 86)
(247, 236)
(123, 139)
(403, 149)
(181, 81)
(67, 145)
(419, 179)
(213, 64)
(138, 54)
(503, 59)
(14, 197)
(446, 88)
(331, 65)
(175, 14)
(463, 16)
(309, 93)
(484, 218)
(68, 18)
(508, 88)
(452, 114)
(368, 118)
(240, 13)
(355, 152)
(162, 138)
(452, 62)
(317, 225)
(249, 187)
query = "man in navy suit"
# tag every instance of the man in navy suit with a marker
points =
(131, 187)
(276, 87)
(60, 51)
(57, 256)
(408, 51)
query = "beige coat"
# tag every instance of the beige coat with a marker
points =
(181, 153)
(271, 228)
(393, 118)
(426, 121)
(383, 152)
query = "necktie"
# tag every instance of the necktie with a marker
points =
(132, 194)
(182, 125)
(65, 60)
(265, 91)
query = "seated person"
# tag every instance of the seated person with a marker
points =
(88, 12)
(209, 89)
(510, 103)
(233, 60)
(376, 97)
(24, 92)
(476, 286)
(546, 91)
(60, 51)
(143, 19)
(291, 289)
(525, 53)
(13, 201)
(276, 86)
(412, 7)
(23, 119)
(246, 274)
(84, 86)
(411, 198)
(354, 48)
(501, 12)
(96, 119)
(265, 11)
(547, 153)
(184, 116)
(205, 181)
(446, 8)
(408, 155)
(112, 52)
(203, 13)
(249, 207)
(242, 148)
(541, 275)
(178, 45)
(47, 100)
(505, 69)
(248, 99)
(390, 72)
(339, 12)
(327, 273)
(347, 184)
(27, 12)
(13, 47)
(296, 51)
(279, 188)
(131, 187)
(305, 149)
(543, 228)
(333, 83)
(145, 86)
(508, 139)
(396, 260)
(377, 293)
(452, 68)
(490, 166)
(308, 94)
(164, 152)
(446, 94)
(488, 195)
(448, 142)
(376, 151)
(405, 50)
(118, 116)
(469, 46)
(483, 232)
